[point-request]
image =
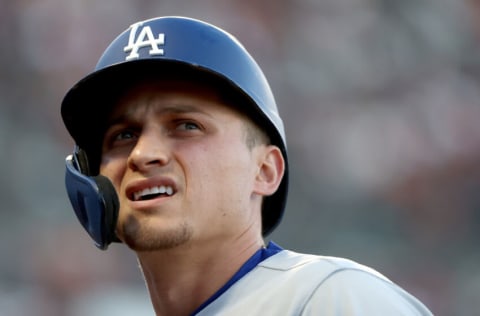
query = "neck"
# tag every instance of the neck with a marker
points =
(179, 280)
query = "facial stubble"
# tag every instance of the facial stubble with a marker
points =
(142, 235)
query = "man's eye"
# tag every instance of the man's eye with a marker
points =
(188, 126)
(123, 135)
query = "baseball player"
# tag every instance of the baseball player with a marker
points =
(180, 154)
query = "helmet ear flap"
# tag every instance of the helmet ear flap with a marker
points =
(93, 199)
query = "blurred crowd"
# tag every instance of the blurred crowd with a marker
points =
(381, 102)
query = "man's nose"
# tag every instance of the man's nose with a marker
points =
(150, 151)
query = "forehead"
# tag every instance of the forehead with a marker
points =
(174, 93)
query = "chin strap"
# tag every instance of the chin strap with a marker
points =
(93, 199)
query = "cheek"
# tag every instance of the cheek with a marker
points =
(221, 173)
(114, 169)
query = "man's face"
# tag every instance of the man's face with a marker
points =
(178, 159)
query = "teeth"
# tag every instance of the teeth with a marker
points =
(153, 190)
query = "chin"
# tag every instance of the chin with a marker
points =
(143, 237)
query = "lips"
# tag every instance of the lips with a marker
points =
(152, 192)
(149, 189)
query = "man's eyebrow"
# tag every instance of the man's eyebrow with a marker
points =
(129, 117)
(181, 108)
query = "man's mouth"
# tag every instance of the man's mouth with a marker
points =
(152, 193)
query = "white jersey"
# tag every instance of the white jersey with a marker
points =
(289, 283)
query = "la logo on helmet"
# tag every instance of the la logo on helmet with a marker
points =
(144, 39)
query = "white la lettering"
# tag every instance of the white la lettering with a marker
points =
(144, 39)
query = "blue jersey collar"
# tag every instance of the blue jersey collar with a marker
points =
(259, 256)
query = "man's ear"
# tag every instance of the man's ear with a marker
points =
(271, 169)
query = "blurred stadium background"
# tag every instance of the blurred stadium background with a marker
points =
(381, 101)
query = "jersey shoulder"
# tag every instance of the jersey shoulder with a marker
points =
(322, 266)
(291, 283)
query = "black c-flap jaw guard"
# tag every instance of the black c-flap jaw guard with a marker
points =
(93, 199)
